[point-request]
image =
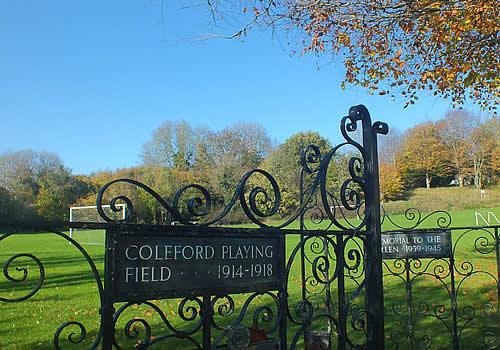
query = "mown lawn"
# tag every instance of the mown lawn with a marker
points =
(70, 293)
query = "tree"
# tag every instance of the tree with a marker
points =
(391, 184)
(390, 147)
(216, 159)
(203, 153)
(244, 142)
(58, 190)
(456, 130)
(13, 210)
(398, 46)
(424, 155)
(38, 185)
(485, 152)
(233, 151)
(20, 171)
(284, 164)
(171, 145)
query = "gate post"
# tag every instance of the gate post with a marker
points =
(373, 250)
(107, 309)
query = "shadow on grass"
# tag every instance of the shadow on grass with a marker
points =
(59, 272)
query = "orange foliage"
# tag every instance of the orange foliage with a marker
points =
(389, 46)
(391, 184)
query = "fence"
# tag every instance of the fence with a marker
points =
(319, 285)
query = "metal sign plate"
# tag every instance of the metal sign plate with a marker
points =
(417, 244)
(182, 261)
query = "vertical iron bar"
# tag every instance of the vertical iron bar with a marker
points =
(497, 250)
(341, 341)
(302, 249)
(456, 343)
(283, 300)
(328, 286)
(107, 310)
(374, 283)
(207, 315)
(409, 300)
(302, 228)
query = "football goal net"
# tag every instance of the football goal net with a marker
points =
(486, 218)
(90, 214)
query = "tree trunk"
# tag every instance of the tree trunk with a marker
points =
(460, 180)
(476, 174)
(427, 181)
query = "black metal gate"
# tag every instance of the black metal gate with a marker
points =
(328, 292)
(331, 293)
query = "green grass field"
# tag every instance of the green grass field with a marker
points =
(70, 293)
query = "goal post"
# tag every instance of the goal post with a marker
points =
(89, 213)
(488, 217)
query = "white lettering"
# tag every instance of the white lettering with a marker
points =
(177, 251)
(141, 252)
(269, 251)
(187, 257)
(164, 277)
(127, 273)
(259, 253)
(144, 274)
(207, 250)
(127, 250)
(199, 252)
(168, 252)
(225, 251)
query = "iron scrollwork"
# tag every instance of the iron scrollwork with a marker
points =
(334, 291)
(74, 331)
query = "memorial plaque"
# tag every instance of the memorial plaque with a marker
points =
(185, 261)
(417, 244)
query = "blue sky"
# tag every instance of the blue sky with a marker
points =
(91, 80)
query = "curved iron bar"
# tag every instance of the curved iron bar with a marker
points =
(200, 207)
(309, 157)
(484, 240)
(453, 274)
(467, 270)
(358, 315)
(147, 340)
(415, 219)
(24, 270)
(312, 161)
(358, 321)
(329, 319)
(470, 316)
(491, 340)
(481, 246)
(405, 267)
(316, 246)
(304, 309)
(223, 310)
(354, 258)
(74, 338)
(259, 315)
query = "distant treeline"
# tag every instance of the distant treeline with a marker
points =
(459, 149)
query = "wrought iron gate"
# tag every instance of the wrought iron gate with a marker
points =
(339, 265)
(331, 293)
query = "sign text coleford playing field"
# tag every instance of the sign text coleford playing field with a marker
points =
(416, 244)
(186, 261)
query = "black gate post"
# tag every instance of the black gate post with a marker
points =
(207, 319)
(373, 249)
(107, 309)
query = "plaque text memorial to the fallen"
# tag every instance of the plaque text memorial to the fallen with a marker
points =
(416, 244)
